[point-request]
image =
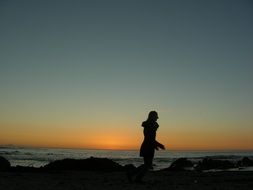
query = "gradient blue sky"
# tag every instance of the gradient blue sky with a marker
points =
(96, 68)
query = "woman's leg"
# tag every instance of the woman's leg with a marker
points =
(142, 170)
(148, 161)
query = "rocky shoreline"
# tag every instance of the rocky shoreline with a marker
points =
(103, 173)
(105, 164)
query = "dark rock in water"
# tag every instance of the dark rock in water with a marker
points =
(90, 164)
(208, 163)
(245, 162)
(4, 164)
(180, 164)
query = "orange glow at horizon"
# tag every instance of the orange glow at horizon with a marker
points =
(121, 138)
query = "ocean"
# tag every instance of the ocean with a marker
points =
(37, 157)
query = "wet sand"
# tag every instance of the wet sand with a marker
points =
(85, 180)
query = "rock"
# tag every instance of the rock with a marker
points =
(208, 163)
(4, 164)
(90, 164)
(180, 164)
(131, 170)
(129, 167)
(245, 162)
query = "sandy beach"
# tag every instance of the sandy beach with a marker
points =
(87, 180)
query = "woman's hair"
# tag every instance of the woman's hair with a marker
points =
(152, 114)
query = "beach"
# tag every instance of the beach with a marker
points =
(228, 171)
(91, 180)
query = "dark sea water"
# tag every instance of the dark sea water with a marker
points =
(38, 157)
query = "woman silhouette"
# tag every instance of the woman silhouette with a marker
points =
(148, 147)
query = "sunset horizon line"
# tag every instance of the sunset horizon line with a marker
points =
(127, 149)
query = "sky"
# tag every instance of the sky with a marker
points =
(85, 74)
